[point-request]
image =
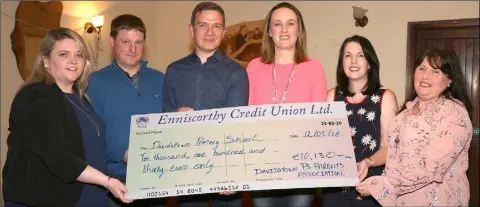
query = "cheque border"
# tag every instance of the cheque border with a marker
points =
(243, 186)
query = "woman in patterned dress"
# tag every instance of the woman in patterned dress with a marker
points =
(428, 141)
(370, 107)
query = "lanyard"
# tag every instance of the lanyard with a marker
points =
(275, 92)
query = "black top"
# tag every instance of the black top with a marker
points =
(364, 120)
(219, 82)
(45, 149)
(93, 133)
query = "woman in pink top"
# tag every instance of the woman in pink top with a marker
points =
(428, 142)
(285, 74)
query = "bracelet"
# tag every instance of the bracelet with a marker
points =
(108, 182)
(371, 161)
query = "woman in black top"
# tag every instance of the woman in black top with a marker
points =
(370, 108)
(55, 155)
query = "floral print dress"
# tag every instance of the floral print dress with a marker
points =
(364, 121)
(427, 157)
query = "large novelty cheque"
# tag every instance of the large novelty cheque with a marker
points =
(302, 145)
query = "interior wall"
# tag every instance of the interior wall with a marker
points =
(328, 24)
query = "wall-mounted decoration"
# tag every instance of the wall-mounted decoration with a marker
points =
(33, 19)
(242, 41)
(359, 15)
(93, 38)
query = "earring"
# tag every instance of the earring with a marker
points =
(45, 65)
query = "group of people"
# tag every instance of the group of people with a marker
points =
(69, 126)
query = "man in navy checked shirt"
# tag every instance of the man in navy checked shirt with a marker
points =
(206, 78)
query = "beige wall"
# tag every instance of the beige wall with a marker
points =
(328, 23)
(10, 78)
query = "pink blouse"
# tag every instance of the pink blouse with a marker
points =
(427, 157)
(308, 83)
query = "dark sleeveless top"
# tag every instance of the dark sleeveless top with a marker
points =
(364, 120)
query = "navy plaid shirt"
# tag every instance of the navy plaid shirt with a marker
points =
(219, 82)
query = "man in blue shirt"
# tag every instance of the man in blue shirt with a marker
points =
(206, 79)
(124, 88)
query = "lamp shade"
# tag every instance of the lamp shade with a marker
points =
(97, 21)
(358, 12)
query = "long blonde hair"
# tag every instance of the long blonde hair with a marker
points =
(39, 72)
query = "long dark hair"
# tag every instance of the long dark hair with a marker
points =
(447, 61)
(373, 82)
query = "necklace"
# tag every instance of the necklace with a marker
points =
(91, 119)
(356, 100)
(275, 92)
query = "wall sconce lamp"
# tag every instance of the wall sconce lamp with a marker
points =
(95, 25)
(359, 15)
(93, 38)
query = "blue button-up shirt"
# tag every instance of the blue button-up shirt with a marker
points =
(219, 82)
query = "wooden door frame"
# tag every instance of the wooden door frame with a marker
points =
(412, 30)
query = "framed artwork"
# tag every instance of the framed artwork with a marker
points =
(243, 41)
(34, 18)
